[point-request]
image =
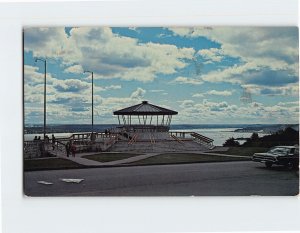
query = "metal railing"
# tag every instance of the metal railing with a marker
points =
(83, 142)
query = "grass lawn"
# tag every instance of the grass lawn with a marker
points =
(243, 151)
(173, 158)
(49, 164)
(108, 157)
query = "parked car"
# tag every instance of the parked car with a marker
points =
(279, 155)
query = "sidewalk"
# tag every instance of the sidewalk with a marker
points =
(225, 155)
(87, 162)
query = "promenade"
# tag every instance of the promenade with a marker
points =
(88, 162)
(79, 157)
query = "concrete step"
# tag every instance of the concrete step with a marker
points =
(144, 147)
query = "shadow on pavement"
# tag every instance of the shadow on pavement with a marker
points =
(280, 169)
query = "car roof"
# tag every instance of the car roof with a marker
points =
(288, 147)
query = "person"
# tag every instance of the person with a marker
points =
(39, 138)
(47, 139)
(35, 138)
(73, 149)
(68, 145)
(93, 137)
(53, 142)
(42, 148)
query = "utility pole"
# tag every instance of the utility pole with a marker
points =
(45, 77)
(87, 71)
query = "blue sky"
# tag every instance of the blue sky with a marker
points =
(199, 72)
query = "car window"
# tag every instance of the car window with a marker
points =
(279, 150)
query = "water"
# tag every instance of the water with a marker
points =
(217, 132)
(220, 135)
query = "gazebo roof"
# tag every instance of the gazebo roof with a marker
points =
(145, 109)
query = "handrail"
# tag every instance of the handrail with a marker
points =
(199, 136)
(133, 139)
(177, 139)
(152, 138)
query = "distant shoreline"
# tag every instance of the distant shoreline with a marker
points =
(267, 128)
(75, 128)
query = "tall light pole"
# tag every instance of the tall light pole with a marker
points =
(87, 71)
(45, 75)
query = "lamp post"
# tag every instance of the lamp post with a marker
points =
(45, 75)
(87, 71)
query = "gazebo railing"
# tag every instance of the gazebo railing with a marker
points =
(144, 128)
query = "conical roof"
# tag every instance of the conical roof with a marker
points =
(145, 108)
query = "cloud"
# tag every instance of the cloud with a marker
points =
(268, 56)
(46, 42)
(221, 93)
(138, 93)
(198, 95)
(215, 106)
(266, 64)
(186, 103)
(79, 109)
(212, 54)
(186, 80)
(256, 105)
(213, 92)
(155, 91)
(31, 75)
(77, 69)
(113, 87)
(269, 78)
(280, 43)
(107, 54)
(284, 90)
(220, 112)
(71, 99)
(70, 85)
(288, 103)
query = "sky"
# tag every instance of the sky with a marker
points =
(202, 73)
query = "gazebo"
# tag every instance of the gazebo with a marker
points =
(145, 117)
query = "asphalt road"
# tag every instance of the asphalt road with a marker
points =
(202, 179)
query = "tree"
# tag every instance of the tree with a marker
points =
(254, 137)
(231, 142)
(286, 137)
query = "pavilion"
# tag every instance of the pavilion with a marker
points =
(145, 117)
(145, 128)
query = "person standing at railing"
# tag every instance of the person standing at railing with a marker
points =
(42, 148)
(68, 146)
(73, 149)
(93, 137)
(53, 142)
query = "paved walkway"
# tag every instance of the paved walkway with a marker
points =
(132, 159)
(225, 155)
(88, 162)
(78, 159)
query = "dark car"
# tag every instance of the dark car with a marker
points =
(280, 155)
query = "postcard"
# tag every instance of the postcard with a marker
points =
(161, 111)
